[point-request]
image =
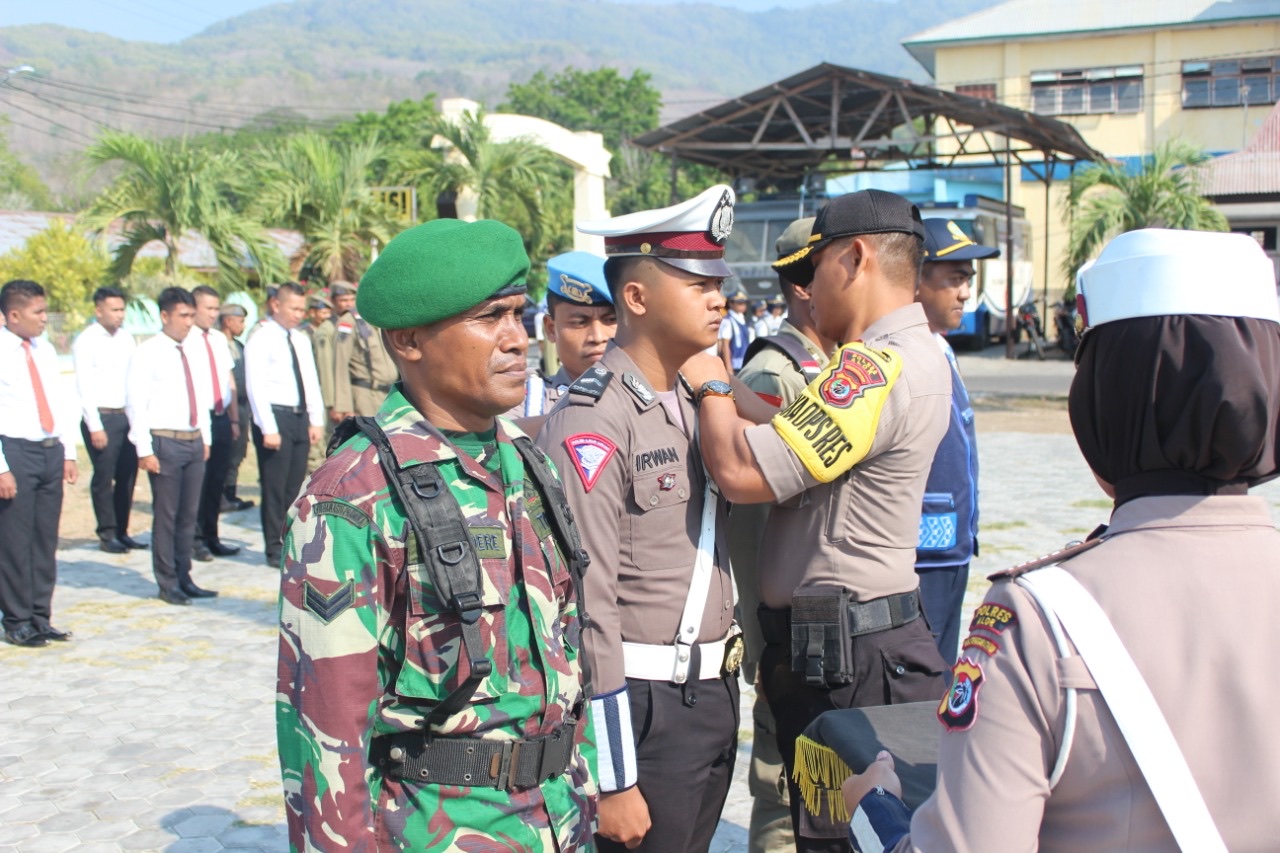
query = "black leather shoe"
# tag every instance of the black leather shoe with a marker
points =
(243, 505)
(274, 562)
(27, 635)
(218, 549)
(51, 633)
(201, 553)
(193, 591)
(176, 596)
(113, 546)
(133, 544)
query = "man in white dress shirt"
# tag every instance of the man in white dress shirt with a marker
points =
(37, 453)
(208, 346)
(168, 401)
(288, 410)
(101, 354)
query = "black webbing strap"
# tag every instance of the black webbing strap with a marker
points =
(566, 531)
(793, 349)
(445, 545)
(507, 765)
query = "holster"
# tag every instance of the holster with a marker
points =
(821, 636)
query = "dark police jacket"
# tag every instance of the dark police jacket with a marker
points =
(949, 520)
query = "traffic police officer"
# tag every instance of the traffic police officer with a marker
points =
(580, 320)
(430, 690)
(364, 371)
(661, 640)
(777, 369)
(847, 463)
(949, 518)
(1176, 407)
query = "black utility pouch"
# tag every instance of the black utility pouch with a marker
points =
(821, 642)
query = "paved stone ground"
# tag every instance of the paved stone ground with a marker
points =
(154, 729)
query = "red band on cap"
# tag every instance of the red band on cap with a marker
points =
(681, 241)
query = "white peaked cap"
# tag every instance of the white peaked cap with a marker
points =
(1156, 272)
(690, 235)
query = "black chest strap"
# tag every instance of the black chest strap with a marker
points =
(804, 362)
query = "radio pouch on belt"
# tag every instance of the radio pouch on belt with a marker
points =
(821, 636)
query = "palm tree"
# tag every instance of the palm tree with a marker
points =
(509, 180)
(168, 188)
(1104, 200)
(321, 188)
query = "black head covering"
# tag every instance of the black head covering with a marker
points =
(1186, 405)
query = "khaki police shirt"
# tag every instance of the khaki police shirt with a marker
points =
(860, 531)
(552, 390)
(1192, 586)
(774, 376)
(322, 344)
(639, 517)
(358, 347)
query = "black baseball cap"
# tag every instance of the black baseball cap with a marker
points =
(863, 212)
(944, 241)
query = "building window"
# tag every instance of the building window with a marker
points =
(1087, 91)
(978, 90)
(1231, 82)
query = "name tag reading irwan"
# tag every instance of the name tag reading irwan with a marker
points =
(832, 424)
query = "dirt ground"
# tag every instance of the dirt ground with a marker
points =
(1022, 414)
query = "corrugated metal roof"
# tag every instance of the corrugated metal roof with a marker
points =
(1029, 18)
(1253, 170)
(194, 252)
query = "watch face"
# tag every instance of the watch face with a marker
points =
(718, 387)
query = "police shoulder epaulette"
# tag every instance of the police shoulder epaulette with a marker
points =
(592, 383)
(1072, 550)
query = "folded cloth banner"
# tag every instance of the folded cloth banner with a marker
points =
(841, 743)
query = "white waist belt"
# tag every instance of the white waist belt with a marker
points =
(659, 663)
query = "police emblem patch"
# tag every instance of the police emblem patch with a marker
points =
(589, 453)
(575, 290)
(992, 618)
(667, 481)
(721, 224)
(857, 374)
(959, 707)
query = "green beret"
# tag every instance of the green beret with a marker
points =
(439, 269)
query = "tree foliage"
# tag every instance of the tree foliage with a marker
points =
(20, 185)
(1105, 199)
(68, 265)
(619, 108)
(167, 188)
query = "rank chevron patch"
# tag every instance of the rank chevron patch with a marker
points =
(327, 607)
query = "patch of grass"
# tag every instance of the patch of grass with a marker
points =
(266, 759)
(259, 800)
(1094, 503)
(1002, 525)
(1076, 531)
(264, 784)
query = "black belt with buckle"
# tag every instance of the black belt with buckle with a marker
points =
(865, 617)
(289, 410)
(369, 386)
(507, 765)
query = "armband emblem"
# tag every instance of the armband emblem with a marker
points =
(959, 707)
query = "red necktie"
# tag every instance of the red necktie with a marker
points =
(191, 387)
(213, 370)
(42, 402)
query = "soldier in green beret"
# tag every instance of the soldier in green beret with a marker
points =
(430, 689)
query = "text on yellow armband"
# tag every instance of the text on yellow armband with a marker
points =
(832, 424)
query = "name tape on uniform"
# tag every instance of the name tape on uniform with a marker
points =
(832, 424)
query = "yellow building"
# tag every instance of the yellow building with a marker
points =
(1128, 74)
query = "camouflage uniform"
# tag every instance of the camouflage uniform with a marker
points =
(366, 648)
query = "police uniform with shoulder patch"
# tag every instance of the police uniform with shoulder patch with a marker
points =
(662, 644)
(1118, 695)
(363, 369)
(576, 277)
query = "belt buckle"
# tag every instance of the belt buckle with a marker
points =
(735, 648)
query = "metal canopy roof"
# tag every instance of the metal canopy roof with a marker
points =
(844, 119)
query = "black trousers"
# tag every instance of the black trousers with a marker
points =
(239, 446)
(942, 598)
(175, 496)
(281, 473)
(115, 471)
(890, 667)
(29, 532)
(215, 475)
(685, 754)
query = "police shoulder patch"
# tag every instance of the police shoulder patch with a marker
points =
(328, 607)
(993, 618)
(832, 424)
(981, 643)
(342, 510)
(592, 383)
(589, 453)
(1073, 549)
(958, 710)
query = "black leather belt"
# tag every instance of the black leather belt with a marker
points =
(289, 410)
(865, 617)
(369, 386)
(508, 765)
(105, 411)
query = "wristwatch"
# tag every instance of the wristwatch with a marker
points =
(715, 388)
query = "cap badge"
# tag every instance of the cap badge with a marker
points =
(575, 290)
(645, 248)
(956, 232)
(721, 219)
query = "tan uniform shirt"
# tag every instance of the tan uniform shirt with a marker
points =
(639, 508)
(552, 390)
(774, 376)
(860, 530)
(322, 344)
(1192, 586)
(364, 371)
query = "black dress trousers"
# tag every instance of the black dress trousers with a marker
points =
(282, 472)
(175, 496)
(215, 476)
(115, 472)
(29, 531)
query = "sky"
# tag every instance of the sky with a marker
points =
(173, 20)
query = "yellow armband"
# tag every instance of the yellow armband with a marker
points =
(833, 422)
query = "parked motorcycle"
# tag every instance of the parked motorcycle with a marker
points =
(1028, 323)
(1064, 321)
